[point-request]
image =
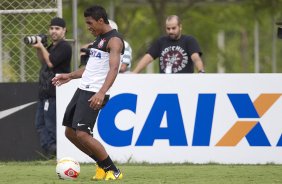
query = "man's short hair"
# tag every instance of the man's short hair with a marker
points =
(96, 12)
(174, 17)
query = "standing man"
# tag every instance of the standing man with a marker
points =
(93, 92)
(55, 59)
(177, 53)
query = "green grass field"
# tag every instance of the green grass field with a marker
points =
(43, 172)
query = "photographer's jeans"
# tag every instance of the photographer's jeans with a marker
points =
(45, 124)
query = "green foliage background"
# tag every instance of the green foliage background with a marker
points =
(141, 22)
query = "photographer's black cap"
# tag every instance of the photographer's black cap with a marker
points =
(57, 21)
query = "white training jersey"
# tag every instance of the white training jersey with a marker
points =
(98, 66)
(95, 71)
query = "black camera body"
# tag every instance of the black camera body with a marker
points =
(86, 51)
(84, 57)
(30, 40)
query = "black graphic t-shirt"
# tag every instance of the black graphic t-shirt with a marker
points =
(60, 57)
(175, 54)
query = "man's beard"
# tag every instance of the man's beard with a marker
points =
(173, 36)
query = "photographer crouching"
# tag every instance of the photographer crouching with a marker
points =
(56, 58)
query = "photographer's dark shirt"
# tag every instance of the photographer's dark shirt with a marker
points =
(60, 57)
(175, 52)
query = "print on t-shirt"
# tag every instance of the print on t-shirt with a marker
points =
(173, 58)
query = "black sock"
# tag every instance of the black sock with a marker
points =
(96, 160)
(108, 164)
(93, 157)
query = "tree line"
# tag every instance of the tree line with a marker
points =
(235, 36)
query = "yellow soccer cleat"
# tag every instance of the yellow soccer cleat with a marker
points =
(100, 174)
(111, 175)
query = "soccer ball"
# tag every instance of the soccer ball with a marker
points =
(67, 168)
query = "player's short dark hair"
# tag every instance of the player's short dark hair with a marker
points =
(96, 12)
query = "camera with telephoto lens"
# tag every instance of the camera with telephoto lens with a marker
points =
(86, 51)
(84, 57)
(30, 40)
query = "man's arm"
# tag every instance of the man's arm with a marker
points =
(127, 57)
(66, 77)
(115, 45)
(198, 62)
(146, 59)
(123, 68)
(42, 52)
(40, 56)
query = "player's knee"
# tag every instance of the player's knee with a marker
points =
(81, 136)
(70, 133)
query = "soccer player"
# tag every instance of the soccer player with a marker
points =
(93, 92)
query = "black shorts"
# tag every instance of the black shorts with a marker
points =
(79, 115)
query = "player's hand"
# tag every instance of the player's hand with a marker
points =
(61, 79)
(96, 101)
